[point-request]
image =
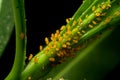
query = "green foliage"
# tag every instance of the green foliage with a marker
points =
(84, 47)
(6, 23)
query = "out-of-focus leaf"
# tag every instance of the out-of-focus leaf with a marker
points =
(6, 23)
(93, 63)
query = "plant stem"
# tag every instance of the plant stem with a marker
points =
(20, 29)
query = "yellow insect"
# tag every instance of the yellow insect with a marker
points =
(93, 8)
(52, 59)
(22, 35)
(41, 47)
(30, 57)
(46, 40)
(29, 78)
(35, 59)
(90, 26)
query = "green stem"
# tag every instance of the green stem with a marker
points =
(20, 29)
(35, 70)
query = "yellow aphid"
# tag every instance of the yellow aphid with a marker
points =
(93, 8)
(57, 31)
(109, 5)
(67, 20)
(103, 7)
(22, 35)
(83, 31)
(97, 14)
(103, 14)
(75, 41)
(117, 13)
(58, 54)
(94, 22)
(75, 37)
(57, 49)
(41, 47)
(86, 16)
(35, 59)
(69, 39)
(30, 57)
(64, 45)
(98, 19)
(80, 20)
(62, 27)
(68, 32)
(74, 23)
(52, 59)
(46, 40)
(90, 26)
(108, 19)
(50, 45)
(68, 43)
(29, 78)
(60, 39)
(54, 46)
(79, 33)
(64, 35)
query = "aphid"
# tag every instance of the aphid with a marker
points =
(108, 5)
(64, 45)
(75, 41)
(103, 7)
(86, 16)
(46, 40)
(90, 26)
(30, 57)
(41, 47)
(60, 39)
(61, 78)
(29, 78)
(79, 33)
(22, 35)
(68, 43)
(74, 23)
(49, 78)
(35, 59)
(67, 20)
(93, 8)
(52, 59)
(97, 14)
(80, 21)
(83, 31)
(57, 49)
(117, 13)
(103, 14)
(62, 27)
(98, 19)
(108, 19)
(94, 22)
(69, 39)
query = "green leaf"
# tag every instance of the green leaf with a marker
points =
(92, 63)
(6, 23)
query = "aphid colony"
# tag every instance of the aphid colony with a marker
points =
(61, 42)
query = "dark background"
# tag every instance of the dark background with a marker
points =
(43, 18)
